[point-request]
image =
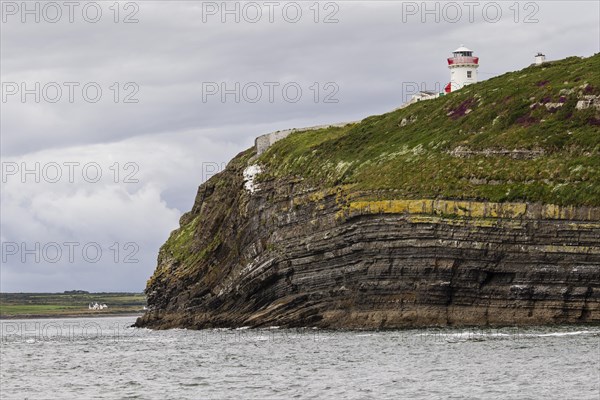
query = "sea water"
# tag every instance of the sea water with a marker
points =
(103, 358)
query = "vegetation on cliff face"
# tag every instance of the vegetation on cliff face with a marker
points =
(202, 230)
(516, 137)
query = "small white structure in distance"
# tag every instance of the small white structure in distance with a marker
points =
(421, 96)
(97, 306)
(424, 95)
(540, 58)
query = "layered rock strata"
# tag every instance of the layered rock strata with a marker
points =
(285, 254)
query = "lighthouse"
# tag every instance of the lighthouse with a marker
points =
(463, 69)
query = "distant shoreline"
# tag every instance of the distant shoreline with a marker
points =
(50, 316)
(73, 304)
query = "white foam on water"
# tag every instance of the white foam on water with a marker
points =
(242, 328)
(560, 334)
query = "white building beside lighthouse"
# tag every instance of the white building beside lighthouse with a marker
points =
(463, 69)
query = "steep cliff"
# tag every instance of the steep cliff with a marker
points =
(478, 208)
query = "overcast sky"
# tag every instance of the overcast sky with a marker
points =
(141, 104)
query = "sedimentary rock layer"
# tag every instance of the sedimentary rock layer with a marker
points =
(289, 255)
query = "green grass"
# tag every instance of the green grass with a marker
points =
(36, 309)
(503, 113)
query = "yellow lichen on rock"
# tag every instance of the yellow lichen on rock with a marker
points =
(470, 209)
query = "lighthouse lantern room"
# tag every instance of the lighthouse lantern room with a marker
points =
(463, 69)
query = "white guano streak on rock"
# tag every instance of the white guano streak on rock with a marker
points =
(249, 176)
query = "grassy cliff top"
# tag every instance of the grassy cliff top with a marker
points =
(516, 137)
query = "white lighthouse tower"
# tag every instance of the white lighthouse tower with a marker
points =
(463, 69)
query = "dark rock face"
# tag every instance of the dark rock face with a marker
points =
(288, 255)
